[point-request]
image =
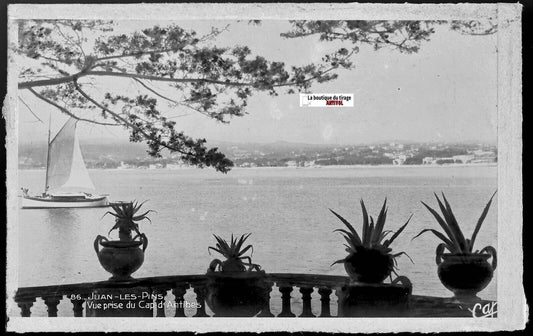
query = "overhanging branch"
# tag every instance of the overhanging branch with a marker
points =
(166, 79)
(154, 91)
(125, 121)
(72, 78)
(64, 110)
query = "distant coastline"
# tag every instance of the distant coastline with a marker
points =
(454, 165)
(282, 155)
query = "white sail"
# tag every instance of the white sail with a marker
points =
(66, 171)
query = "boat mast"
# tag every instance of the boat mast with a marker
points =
(47, 155)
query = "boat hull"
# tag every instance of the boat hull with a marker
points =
(30, 202)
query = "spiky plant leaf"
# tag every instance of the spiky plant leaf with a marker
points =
(242, 240)
(243, 251)
(480, 222)
(451, 237)
(368, 238)
(366, 224)
(214, 249)
(397, 233)
(349, 235)
(350, 227)
(222, 245)
(340, 261)
(383, 235)
(447, 219)
(116, 226)
(143, 216)
(380, 223)
(350, 242)
(402, 253)
(449, 245)
(109, 213)
(452, 223)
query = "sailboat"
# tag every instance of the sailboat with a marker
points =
(68, 184)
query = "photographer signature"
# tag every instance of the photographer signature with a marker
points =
(484, 310)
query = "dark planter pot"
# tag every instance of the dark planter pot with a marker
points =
(120, 258)
(237, 294)
(368, 266)
(465, 274)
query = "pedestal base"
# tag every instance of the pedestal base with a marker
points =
(241, 295)
(370, 300)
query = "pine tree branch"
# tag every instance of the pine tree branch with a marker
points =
(64, 110)
(126, 122)
(137, 54)
(166, 79)
(154, 91)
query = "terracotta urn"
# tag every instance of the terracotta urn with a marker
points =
(466, 274)
(120, 258)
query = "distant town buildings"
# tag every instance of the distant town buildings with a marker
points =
(288, 155)
(399, 159)
(473, 157)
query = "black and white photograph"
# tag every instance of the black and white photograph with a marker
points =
(309, 167)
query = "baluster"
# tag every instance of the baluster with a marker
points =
(25, 306)
(340, 296)
(306, 299)
(160, 294)
(179, 292)
(285, 301)
(201, 292)
(325, 292)
(265, 311)
(52, 302)
(78, 306)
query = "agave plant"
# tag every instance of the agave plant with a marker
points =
(369, 256)
(454, 240)
(234, 253)
(126, 218)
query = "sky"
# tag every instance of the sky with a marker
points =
(444, 93)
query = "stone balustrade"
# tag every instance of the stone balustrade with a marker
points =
(292, 290)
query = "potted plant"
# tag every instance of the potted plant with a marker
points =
(123, 257)
(236, 286)
(462, 270)
(369, 259)
(369, 262)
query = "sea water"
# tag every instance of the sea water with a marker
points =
(285, 209)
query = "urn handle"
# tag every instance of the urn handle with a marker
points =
(403, 280)
(438, 253)
(492, 251)
(144, 239)
(97, 241)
